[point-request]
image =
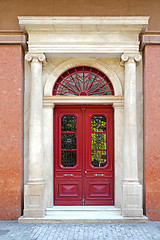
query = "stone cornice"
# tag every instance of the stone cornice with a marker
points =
(14, 40)
(94, 36)
(150, 39)
(32, 22)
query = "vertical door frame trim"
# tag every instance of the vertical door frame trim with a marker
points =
(117, 103)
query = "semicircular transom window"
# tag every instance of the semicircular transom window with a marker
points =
(84, 81)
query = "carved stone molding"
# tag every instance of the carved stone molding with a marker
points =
(14, 40)
(150, 39)
(51, 100)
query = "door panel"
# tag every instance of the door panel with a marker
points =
(83, 148)
(98, 189)
(99, 156)
(68, 155)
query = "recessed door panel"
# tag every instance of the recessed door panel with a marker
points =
(83, 155)
(99, 154)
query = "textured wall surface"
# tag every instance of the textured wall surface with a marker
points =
(11, 131)
(152, 131)
(9, 10)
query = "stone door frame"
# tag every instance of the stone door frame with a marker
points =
(82, 39)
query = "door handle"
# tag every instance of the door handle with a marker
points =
(68, 175)
(99, 175)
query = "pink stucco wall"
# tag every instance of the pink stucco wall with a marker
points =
(152, 131)
(11, 131)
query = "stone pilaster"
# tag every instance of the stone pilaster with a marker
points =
(118, 145)
(48, 154)
(34, 190)
(131, 188)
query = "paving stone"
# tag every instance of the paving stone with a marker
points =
(12, 230)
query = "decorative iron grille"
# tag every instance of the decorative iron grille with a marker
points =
(84, 81)
(68, 141)
(98, 141)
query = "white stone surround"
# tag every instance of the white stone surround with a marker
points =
(98, 42)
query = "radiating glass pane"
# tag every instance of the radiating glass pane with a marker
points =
(68, 158)
(98, 123)
(68, 123)
(68, 141)
(98, 140)
(98, 158)
(83, 80)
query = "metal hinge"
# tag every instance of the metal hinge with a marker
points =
(83, 201)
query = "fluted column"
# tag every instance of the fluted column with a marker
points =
(132, 189)
(34, 189)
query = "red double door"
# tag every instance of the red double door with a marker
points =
(84, 155)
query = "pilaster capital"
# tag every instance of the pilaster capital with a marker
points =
(48, 104)
(118, 105)
(33, 57)
(130, 57)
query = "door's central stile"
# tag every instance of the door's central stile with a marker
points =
(83, 160)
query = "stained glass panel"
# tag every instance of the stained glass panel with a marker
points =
(68, 141)
(98, 124)
(68, 123)
(99, 158)
(98, 141)
(81, 81)
(68, 158)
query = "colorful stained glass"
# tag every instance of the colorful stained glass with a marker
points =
(98, 141)
(68, 141)
(83, 81)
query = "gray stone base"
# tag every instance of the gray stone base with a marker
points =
(34, 200)
(34, 213)
(132, 200)
(132, 212)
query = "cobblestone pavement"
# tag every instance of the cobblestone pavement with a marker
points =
(12, 230)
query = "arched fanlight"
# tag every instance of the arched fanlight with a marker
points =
(84, 81)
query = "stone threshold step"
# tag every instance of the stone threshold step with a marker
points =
(83, 208)
(60, 219)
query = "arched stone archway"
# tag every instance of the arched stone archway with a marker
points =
(91, 62)
(49, 101)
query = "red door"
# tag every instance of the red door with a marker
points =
(84, 155)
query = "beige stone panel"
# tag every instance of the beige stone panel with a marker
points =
(48, 154)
